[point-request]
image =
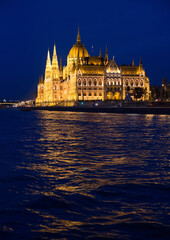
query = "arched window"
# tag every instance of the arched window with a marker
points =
(95, 82)
(136, 83)
(89, 94)
(126, 83)
(100, 82)
(84, 82)
(141, 83)
(89, 82)
(79, 82)
(131, 83)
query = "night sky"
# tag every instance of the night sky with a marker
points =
(129, 28)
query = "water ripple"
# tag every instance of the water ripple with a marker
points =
(84, 176)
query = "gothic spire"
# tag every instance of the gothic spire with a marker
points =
(55, 60)
(106, 56)
(48, 63)
(140, 63)
(48, 55)
(78, 36)
(133, 63)
(100, 54)
(54, 51)
(61, 68)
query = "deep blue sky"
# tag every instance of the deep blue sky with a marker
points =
(129, 28)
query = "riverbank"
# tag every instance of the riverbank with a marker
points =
(130, 110)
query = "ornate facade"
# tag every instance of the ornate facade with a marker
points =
(89, 78)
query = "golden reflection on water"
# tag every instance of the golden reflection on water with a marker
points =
(101, 165)
(84, 176)
(81, 151)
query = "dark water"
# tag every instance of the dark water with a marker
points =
(84, 176)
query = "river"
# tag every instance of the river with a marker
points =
(66, 175)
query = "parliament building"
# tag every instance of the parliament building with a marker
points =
(88, 78)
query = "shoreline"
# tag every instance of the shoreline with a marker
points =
(123, 110)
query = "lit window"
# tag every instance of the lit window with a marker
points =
(84, 82)
(79, 83)
(95, 82)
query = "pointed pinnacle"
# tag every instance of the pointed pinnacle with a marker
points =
(54, 51)
(100, 54)
(61, 68)
(133, 62)
(48, 55)
(140, 61)
(106, 48)
(78, 36)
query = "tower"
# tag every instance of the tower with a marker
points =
(55, 67)
(133, 63)
(100, 54)
(106, 57)
(48, 66)
(140, 65)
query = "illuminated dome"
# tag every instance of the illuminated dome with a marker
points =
(78, 49)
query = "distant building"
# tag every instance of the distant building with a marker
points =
(165, 91)
(89, 78)
(155, 92)
(161, 93)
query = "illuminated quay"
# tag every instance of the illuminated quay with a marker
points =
(89, 78)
